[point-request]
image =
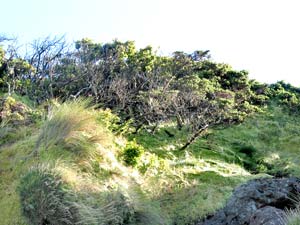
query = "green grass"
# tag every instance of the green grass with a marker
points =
(274, 135)
(267, 143)
(13, 164)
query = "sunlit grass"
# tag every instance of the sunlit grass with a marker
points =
(274, 135)
(13, 163)
(73, 125)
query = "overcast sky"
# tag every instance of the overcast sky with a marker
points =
(261, 36)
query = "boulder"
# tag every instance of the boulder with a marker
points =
(268, 215)
(259, 201)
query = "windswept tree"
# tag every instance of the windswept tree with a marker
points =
(138, 84)
(43, 56)
(14, 70)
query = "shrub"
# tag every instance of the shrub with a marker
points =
(44, 199)
(15, 113)
(247, 150)
(246, 155)
(132, 153)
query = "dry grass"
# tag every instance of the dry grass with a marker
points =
(73, 126)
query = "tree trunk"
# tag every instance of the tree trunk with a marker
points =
(194, 137)
(154, 128)
(9, 91)
(179, 122)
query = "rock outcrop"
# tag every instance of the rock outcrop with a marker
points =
(258, 202)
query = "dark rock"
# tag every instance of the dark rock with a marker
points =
(251, 200)
(268, 215)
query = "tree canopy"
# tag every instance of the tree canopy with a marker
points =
(139, 84)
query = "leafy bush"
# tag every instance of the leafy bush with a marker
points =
(44, 199)
(248, 150)
(132, 153)
(249, 158)
(15, 113)
(113, 122)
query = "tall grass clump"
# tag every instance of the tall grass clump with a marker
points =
(112, 208)
(44, 198)
(292, 216)
(72, 125)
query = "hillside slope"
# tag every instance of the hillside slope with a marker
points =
(75, 167)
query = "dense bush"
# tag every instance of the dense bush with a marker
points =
(44, 199)
(250, 159)
(15, 113)
(131, 153)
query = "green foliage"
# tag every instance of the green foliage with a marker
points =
(16, 119)
(113, 122)
(250, 158)
(15, 113)
(286, 95)
(132, 153)
(44, 198)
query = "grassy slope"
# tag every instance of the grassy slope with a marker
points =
(187, 185)
(12, 166)
(215, 163)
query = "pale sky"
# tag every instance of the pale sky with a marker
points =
(260, 36)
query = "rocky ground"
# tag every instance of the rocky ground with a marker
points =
(258, 202)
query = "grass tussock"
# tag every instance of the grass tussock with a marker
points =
(73, 126)
(44, 199)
